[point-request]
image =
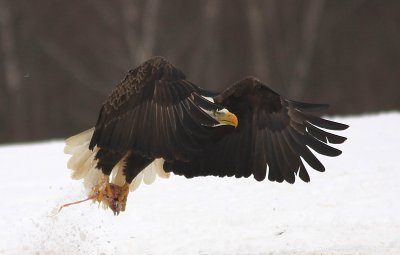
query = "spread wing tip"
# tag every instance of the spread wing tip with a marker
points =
(308, 107)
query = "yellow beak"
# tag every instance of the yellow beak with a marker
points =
(226, 118)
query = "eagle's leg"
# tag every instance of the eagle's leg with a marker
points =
(121, 198)
(134, 165)
(104, 191)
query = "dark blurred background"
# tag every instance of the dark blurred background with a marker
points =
(60, 59)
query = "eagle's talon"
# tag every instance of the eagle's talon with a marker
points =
(111, 195)
(108, 190)
(123, 196)
(102, 190)
(124, 192)
(117, 202)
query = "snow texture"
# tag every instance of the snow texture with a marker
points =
(352, 208)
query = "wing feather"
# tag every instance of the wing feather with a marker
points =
(155, 112)
(323, 135)
(274, 135)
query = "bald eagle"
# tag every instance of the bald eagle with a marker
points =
(156, 122)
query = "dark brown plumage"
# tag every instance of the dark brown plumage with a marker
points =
(272, 131)
(155, 115)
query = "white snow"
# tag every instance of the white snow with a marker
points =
(352, 208)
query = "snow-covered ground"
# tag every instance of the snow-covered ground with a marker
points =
(352, 208)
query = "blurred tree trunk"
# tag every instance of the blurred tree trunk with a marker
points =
(140, 40)
(205, 56)
(257, 36)
(310, 26)
(13, 85)
(149, 29)
(130, 14)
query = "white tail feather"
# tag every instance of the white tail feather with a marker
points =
(117, 174)
(77, 160)
(159, 167)
(80, 138)
(69, 149)
(136, 182)
(149, 175)
(93, 177)
(82, 171)
(83, 164)
(82, 161)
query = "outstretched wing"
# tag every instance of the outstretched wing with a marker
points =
(272, 132)
(155, 112)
